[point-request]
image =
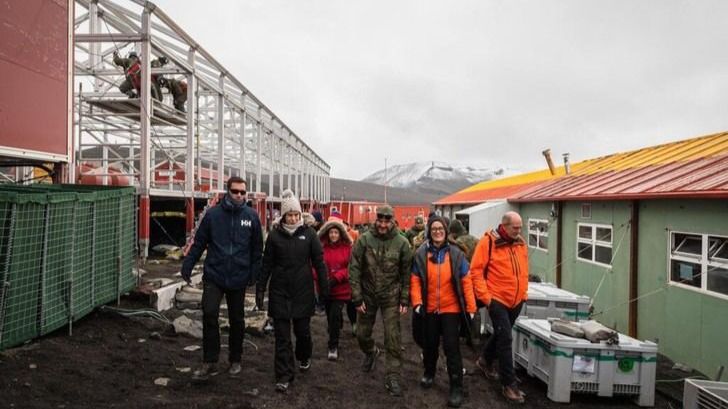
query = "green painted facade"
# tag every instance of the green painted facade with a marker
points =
(691, 327)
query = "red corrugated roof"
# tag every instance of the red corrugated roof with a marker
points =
(693, 168)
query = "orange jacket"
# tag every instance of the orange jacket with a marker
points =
(441, 292)
(507, 277)
(353, 234)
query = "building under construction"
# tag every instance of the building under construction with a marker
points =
(89, 132)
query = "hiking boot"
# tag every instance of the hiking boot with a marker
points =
(488, 371)
(426, 382)
(393, 387)
(282, 387)
(370, 360)
(205, 372)
(333, 354)
(353, 330)
(305, 365)
(456, 396)
(513, 394)
(234, 369)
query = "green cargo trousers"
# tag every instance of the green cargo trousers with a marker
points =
(392, 336)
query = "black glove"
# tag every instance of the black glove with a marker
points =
(479, 303)
(259, 297)
(186, 275)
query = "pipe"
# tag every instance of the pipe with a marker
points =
(547, 154)
(567, 165)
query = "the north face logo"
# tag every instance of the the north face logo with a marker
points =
(246, 223)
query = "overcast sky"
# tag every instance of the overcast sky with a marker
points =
(474, 82)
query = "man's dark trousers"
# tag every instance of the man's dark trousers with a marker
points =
(211, 297)
(499, 345)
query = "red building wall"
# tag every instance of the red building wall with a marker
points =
(34, 88)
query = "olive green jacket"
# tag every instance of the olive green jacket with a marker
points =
(380, 267)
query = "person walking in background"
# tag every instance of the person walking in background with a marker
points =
(290, 250)
(460, 237)
(232, 235)
(354, 235)
(499, 270)
(337, 251)
(442, 294)
(379, 273)
(418, 228)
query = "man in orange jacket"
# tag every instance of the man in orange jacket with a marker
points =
(499, 270)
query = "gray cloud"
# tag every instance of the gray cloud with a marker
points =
(474, 82)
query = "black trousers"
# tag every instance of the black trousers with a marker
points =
(447, 327)
(335, 320)
(211, 297)
(499, 344)
(351, 312)
(283, 361)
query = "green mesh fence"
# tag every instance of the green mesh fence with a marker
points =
(64, 249)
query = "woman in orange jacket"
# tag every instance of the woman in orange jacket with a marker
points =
(441, 293)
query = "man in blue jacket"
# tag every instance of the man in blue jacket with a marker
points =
(232, 235)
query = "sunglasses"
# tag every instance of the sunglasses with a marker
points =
(238, 192)
(384, 217)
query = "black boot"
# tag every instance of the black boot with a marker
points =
(456, 391)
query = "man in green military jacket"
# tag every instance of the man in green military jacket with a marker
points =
(379, 273)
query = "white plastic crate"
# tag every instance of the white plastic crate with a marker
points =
(545, 300)
(569, 364)
(700, 394)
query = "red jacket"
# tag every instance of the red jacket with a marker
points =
(336, 258)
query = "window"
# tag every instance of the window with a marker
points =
(586, 210)
(538, 234)
(699, 261)
(594, 243)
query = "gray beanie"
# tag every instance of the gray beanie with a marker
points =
(290, 203)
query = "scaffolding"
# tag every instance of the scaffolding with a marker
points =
(225, 131)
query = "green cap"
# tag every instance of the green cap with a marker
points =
(385, 210)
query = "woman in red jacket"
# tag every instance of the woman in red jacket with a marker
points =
(337, 251)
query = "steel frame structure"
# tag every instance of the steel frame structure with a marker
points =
(226, 129)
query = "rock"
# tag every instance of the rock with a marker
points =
(188, 306)
(184, 325)
(255, 322)
(184, 370)
(32, 366)
(188, 297)
(155, 335)
(164, 248)
(192, 348)
(161, 381)
(253, 392)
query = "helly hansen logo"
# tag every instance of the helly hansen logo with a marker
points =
(246, 223)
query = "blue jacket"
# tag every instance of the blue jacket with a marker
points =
(233, 237)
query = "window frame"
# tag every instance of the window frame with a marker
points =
(593, 242)
(704, 261)
(538, 234)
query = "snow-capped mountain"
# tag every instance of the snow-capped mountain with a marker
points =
(433, 177)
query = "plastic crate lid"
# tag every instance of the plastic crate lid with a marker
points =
(542, 329)
(549, 292)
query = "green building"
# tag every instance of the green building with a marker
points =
(645, 234)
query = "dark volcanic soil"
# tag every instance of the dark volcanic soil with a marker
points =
(112, 362)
